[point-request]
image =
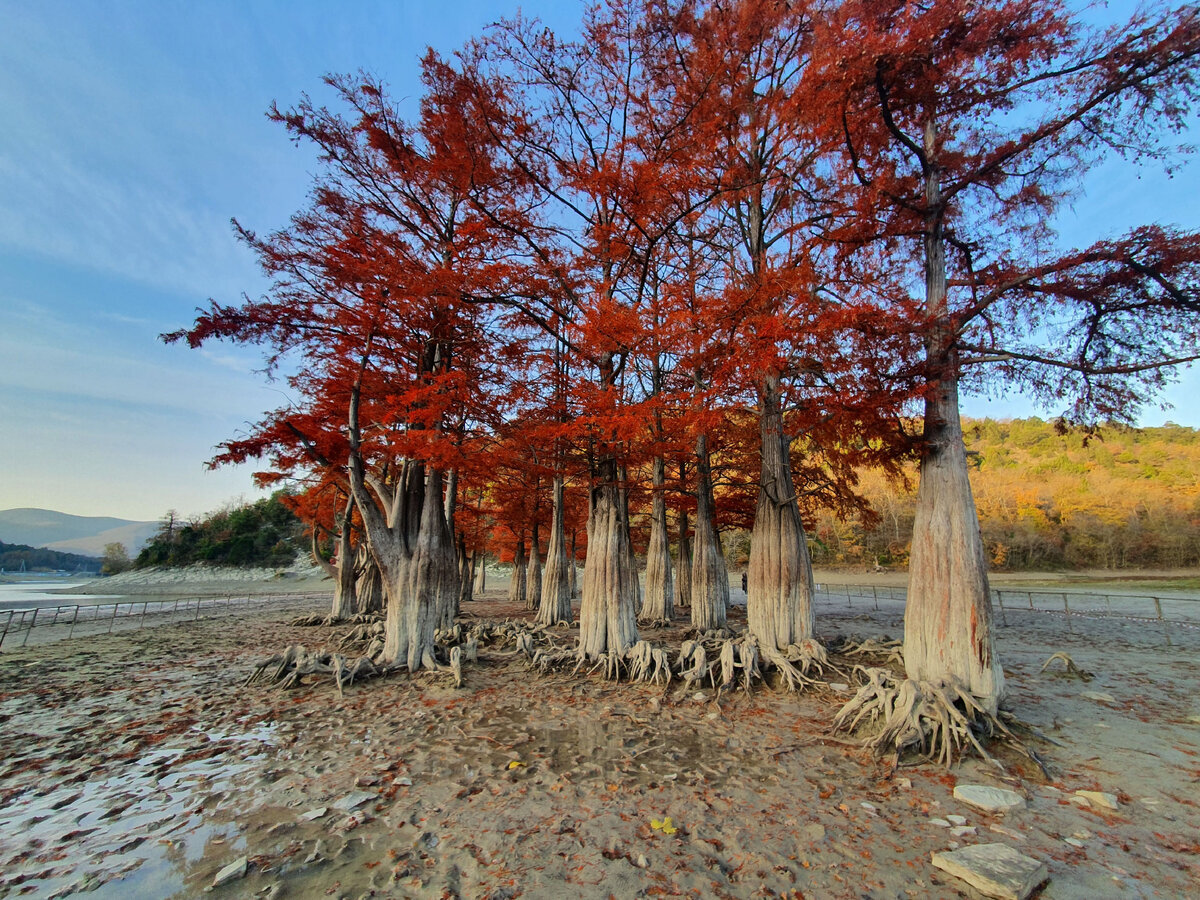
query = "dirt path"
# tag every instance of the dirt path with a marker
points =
(134, 766)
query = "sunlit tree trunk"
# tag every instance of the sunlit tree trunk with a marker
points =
(948, 615)
(710, 579)
(779, 584)
(481, 575)
(555, 600)
(517, 585)
(658, 608)
(607, 612)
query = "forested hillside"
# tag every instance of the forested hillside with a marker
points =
(265, 533)
(21, 557)
(1127, 498)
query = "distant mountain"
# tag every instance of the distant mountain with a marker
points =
(86, 535)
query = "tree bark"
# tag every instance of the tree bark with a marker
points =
(517, 585)
(779, 583)
(683, 571)
(369, 584)
(555, 601)
(434, 569)
(341, 570)
(658, 607)
(710, 580)
(533, 577)
(607, 620)
(481, 576)
(573, 567)
(948, 614)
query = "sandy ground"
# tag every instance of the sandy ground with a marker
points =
(134, 765)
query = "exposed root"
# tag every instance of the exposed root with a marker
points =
(937, 721)
(1069, 667)
(883, 650)
(364, 634)
(647, 663)
(692, 664)
(738, 660)
(287, 669)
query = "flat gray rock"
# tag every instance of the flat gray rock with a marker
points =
(236, 869)
(353, 800)
(995, 870)
(989, 799)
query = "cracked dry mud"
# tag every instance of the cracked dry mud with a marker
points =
(135, 766)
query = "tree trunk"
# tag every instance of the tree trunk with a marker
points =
(517, 584)
(607, 621)
(683, 571)
(369, 584)
(434, 572)
(555, 599)
(710, 580)
(467, 576)
(481, 575)
(948, 614)
(573, 568)
(341, 570)
(533, 577)
(658, 608)
(779, 583)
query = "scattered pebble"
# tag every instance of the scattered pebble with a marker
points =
(1100, 799)
(1098, 697)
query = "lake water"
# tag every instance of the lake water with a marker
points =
(46, 592)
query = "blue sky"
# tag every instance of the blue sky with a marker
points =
(132, 133)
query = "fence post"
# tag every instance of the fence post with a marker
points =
(197, 609)
(1003, 612)
(31, 624)
(1158, 609)
(113, 619)
(1067, 612)
(6, 624)
(74, 619)
(142, 620)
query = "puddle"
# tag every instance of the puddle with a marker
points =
(136, 833)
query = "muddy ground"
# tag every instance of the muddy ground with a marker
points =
(135, 765)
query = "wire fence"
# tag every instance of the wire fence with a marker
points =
(80, 619)
(1175, 620)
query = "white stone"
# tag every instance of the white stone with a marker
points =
(236, 869)
(962, 830)
(1100, 799)
(353, 800)
(1098, 696)
(989, 799)
(957, 820)
(940, 823)
(1075, 842)
(995, 870)
(313, 814)
(839, 686)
